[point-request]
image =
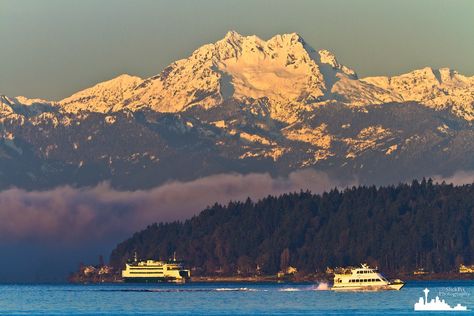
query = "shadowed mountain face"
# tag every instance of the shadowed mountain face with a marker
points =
(381, 144)
(242, 105)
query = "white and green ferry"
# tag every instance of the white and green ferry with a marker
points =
(152, 271)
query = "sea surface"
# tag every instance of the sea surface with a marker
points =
(224, 299)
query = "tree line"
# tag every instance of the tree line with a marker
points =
(397, 228)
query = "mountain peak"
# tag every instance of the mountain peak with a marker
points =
(284, 73)
(103, 96)
(288, 39)
(232, 35)
(284, 70)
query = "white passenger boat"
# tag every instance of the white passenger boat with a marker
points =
(363, 279)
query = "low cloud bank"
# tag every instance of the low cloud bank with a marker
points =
(70, 215)
(458, 178)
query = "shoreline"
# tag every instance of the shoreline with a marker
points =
(315, 278)
(327, 279)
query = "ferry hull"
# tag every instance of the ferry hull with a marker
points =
(153, 280)
(388, 287)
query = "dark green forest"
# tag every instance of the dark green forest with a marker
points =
(398, 228)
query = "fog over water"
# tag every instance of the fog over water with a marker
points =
(59, 228)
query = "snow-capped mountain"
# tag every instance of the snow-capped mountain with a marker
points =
(243, 104)
(102, 97)
(285, 72)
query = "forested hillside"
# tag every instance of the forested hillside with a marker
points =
(398, 228)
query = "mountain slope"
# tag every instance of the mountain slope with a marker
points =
(102, 97)
(284, 72)
(243, 104)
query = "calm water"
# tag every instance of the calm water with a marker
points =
(221, 299)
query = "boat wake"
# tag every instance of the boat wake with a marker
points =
(290, 289)
(323, 286)
(225, 289)
(239, 289)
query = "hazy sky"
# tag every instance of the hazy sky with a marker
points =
(52, 48)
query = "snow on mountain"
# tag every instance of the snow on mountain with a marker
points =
(21, 106)
(291, 77)
(437, 88)
(6, 105)
(283, 70)
(282, 76)
(102, 97)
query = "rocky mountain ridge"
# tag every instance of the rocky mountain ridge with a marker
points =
(283, 71)
(243, 105)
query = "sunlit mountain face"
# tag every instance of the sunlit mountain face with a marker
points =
(242, 105)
